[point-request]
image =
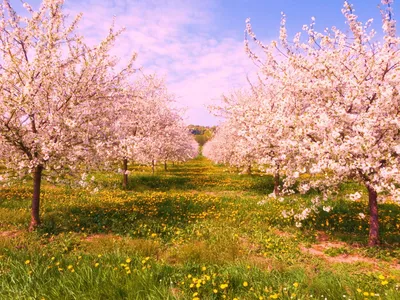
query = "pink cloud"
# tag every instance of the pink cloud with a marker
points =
(172, 38)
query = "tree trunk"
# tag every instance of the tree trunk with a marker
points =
(165, 166)
(373, 218)
(125, 169)
(152, 166)
(276, 183)
(37, 179)
(248, 169)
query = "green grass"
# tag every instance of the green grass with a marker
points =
(194, 231)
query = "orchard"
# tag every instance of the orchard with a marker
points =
(106, 194)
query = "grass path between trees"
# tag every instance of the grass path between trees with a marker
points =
(195, 231)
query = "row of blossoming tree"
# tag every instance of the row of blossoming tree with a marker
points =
(66, 106)
(327, 104)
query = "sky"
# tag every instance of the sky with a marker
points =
(197, 45)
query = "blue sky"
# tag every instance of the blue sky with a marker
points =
(198, 45)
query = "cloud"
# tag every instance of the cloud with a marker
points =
(176, 39)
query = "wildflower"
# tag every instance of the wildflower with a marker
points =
(96, 265)
(128, 260)
(27, 262)
(245, 284)
(215, 291)
(296, 284)
(385, 282)
(203, 268)
(223, 286)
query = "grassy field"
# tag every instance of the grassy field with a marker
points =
(196, 231)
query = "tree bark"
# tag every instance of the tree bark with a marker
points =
(152, 166)
(248, 169)
(276, 183)
(125, 169)
(37, 179)
(373, 239)
(165, 166)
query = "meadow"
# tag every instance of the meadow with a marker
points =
(194, 231)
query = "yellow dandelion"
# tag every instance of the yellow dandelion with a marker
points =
(245, 284)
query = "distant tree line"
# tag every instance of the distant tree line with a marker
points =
(202, 133)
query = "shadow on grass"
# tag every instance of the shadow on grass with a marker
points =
(349, 222)
(261, 185)
(138, 218)
(159, 183)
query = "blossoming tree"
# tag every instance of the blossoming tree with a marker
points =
(339, 96)
(144, 128)
(54, 88)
